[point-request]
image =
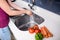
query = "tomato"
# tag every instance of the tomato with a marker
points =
(35, 27)
(37, 31)
(31, 30)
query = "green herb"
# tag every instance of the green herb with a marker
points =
(38, 36)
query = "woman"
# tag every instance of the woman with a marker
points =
(5, 12)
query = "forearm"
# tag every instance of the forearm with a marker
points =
(17, 13)
(14, 5)
(6, 8)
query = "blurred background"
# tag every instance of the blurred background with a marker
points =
(51, 5)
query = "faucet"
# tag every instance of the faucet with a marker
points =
(31, 6)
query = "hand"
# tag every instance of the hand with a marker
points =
(28, 12)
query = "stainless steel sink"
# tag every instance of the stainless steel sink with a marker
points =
(22, 22)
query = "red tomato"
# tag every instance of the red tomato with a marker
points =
(31, 30)
(39, 30)
(36, 31)
(35, 27)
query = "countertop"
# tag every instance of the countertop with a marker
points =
(52, 22)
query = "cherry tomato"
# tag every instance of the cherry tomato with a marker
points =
(31, 30)
(35, 27)
(36, 31)
(39, 30)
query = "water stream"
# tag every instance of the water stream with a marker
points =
(32, 22)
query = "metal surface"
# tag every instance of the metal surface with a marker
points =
(23, 22)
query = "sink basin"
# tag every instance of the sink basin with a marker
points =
(22, 22)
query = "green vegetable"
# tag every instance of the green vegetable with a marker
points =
(38, 36)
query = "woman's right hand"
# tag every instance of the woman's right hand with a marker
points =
(28, 12)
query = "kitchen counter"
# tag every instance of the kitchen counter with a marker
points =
(52, 22)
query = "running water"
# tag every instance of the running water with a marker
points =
(32, 22)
